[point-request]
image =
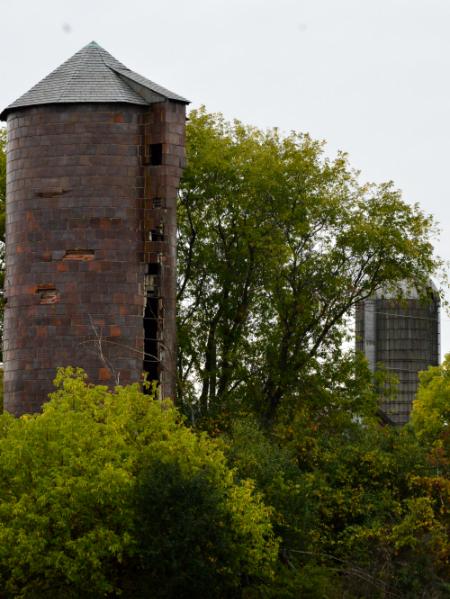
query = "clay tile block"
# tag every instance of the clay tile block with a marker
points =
(104, 374)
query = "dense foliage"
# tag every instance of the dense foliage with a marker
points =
(276, 246)
(286, 485)
(431, 414)
(361, 510)
(106, 492)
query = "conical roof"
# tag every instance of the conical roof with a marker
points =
(93, 75)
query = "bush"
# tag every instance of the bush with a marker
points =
(108, 492)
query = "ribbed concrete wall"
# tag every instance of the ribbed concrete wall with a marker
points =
(405, 338)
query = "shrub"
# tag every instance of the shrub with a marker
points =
(107, 492)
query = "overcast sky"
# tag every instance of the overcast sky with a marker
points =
(369, 76)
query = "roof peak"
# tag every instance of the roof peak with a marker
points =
(93, 75)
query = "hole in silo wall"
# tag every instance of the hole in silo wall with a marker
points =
(155, 154)
(152, 325)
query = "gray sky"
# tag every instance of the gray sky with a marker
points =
(369, 76)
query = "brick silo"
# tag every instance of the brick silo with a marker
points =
(94, 157)
(402, 335)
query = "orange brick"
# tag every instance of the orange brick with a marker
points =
(95, 266)
(41, 331)
(104, 374)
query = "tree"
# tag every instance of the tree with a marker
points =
(430, 417)
(109, 492)
(276, 246)
(359, 509)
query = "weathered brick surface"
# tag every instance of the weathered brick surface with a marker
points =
(78, 218)
(164, 123)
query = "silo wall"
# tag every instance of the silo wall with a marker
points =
(402, 337)
(407, 342)
(82, 201)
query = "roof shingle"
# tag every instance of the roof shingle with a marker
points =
(93, 75)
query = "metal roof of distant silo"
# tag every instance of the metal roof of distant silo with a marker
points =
(405, 290)
(93, 75)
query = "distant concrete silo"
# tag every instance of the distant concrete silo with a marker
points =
(95, 153)
(402, 335)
